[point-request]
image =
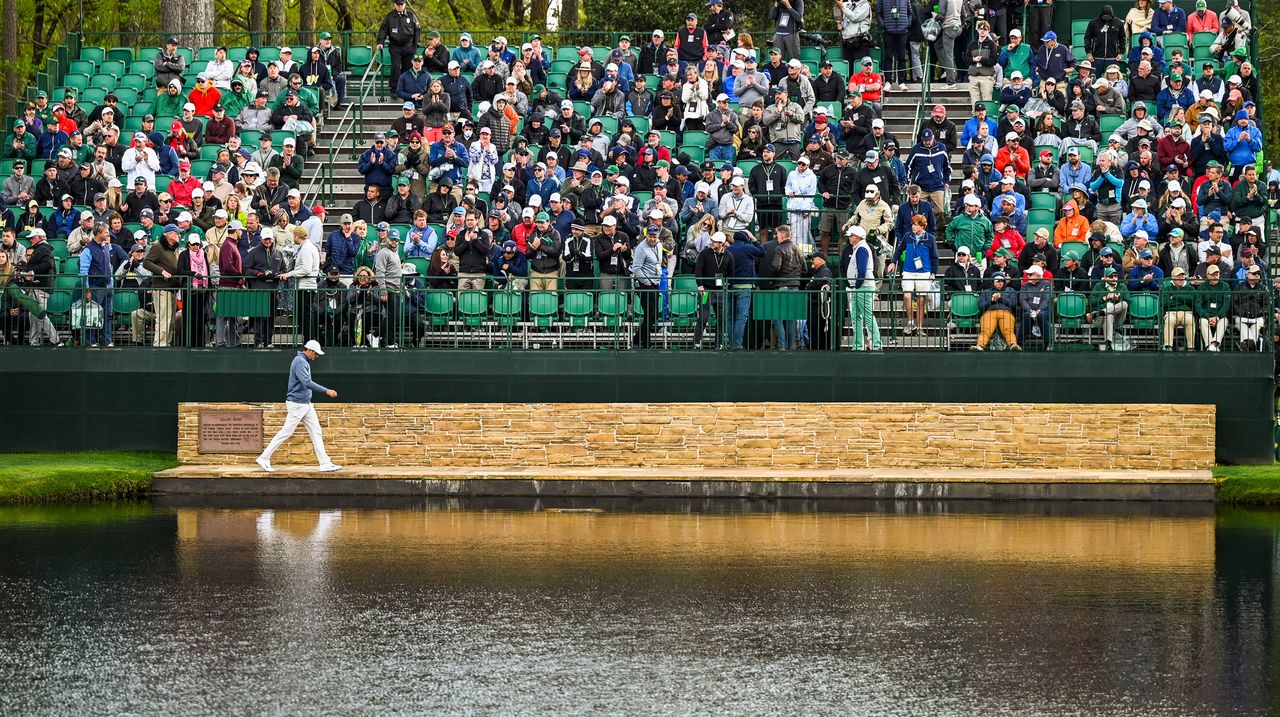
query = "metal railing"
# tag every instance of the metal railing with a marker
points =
(443, 309)
(349, 129)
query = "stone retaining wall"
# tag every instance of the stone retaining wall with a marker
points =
(740, 435)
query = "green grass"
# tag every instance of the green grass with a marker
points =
(1248, 484)
(89, 475)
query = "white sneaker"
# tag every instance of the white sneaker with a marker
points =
(902, 87)
(330, 467)
(264, 464)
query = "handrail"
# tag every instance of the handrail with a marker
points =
(323, 174)
(926, 86)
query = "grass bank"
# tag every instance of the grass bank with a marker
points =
(1258, 485)
(89, 475)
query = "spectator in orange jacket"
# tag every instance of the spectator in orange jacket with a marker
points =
(1072, 226)
(204, 96)
(1013, 153)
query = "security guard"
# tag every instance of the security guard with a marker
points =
(400, 33)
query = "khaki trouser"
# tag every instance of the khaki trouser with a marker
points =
(138, 320)
(1212, 334)
(981, 88)
(997, 319)
(471, 282)
(164, 303)
(539, 281)
(938, 199)
(1175, 319)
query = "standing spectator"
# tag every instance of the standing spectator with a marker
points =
(949, 16)
(646, 272)
(263, 265)
(331, 55)
(378, 164)
(399, 32)
(895, 21)
(1202, 20)
(788, 21)
(1104, 38)
(1169, 20)
(162, 261)
(691, 41)
(929, 167)
(721, 125)
(719, 24)
(861, 276)
(169, 64)
(919, 253)
(983, 54)
(853, 19)
(1040, 21)
(801, 188)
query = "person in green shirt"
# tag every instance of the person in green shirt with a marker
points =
(1213, 306)
(309, 97)
(169, 103)
(1178, 301)
(971, 229)
(1109, 306)
(236, 99)
(20, 144)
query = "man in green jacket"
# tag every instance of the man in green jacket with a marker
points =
(1109, 306)
(20, 144)
(1178, 302)
(971, 229)
(1213, 306)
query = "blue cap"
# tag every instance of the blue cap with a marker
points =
(1050, 35)
(770, 147)
(1145, 254)
(171, 228)
(926, 134)
(509, 246)
(815, 137)
(1241, 115)
(726, 167)
(1107, 251)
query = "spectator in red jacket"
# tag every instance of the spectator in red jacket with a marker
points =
(1013, 153)
(204, 96)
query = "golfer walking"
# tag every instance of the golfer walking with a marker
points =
(298, 404)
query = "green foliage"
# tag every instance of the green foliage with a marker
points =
(39, 477)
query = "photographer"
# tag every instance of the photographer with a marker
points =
(853, 19)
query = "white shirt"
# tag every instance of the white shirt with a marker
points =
(306, 265)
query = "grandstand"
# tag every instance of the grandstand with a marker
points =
(501, 311)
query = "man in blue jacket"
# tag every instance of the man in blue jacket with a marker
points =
(378, 165)
(895, 20)
(1168, 19)
(414, 82)
(98, 264)
(929, 167)
(299, 409)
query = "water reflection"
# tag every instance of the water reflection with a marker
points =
(730, 609)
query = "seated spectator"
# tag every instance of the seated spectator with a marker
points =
(1213, 306)
(997, 305)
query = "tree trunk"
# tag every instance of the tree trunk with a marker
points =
(9, 53)
(568, 14)
(255, 19)
(306, 22)
(198, 20)
(538, 12)
(275, 21)
(171, 12)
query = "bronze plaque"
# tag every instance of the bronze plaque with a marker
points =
(231, 431)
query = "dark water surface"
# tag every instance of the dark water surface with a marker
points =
(666, 608)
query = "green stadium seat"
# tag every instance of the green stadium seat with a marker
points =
(278, 137)
(128, 97)
(811, 54)
(92, 96)
(543, 307)
(578, 307)
(237, 54)
(359, 58)
(76, 81)
(200, 168)
(1109, 123)
(210, 151)
(121, 54)
(112, 67)
(103, 82)
(686, 282)
(683, 307)
(96, 55)
(1117, 247)
(473, 306)
(506, 307)
(206, 53)
(82, 67)
(418, 262)
(696, 154)
(667, 137)
(964, 309)
(1077, 246)
(566, 53)
(439, 307)
(612, 307)
(67, 281)
(148, 54)
(59, 306)
(841, 67)
(641, 124)
(187, 53)
(125, 303)
(695, 138)
(582, 108)
(1041, 216)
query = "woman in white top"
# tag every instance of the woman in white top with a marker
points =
(220, 70)
(694, 94)
(1139, 18)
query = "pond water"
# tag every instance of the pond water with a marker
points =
(637, 608)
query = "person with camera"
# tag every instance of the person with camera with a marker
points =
(853, 19)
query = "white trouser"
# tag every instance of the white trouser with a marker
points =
(304, 413)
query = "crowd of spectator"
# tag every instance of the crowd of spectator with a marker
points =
(1123, 162)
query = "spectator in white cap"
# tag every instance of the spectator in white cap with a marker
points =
(298, 407)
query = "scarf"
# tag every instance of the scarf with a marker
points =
(199, 269)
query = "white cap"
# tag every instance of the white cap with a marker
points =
(1015, 75)
(1015, 32)
(555, 196)
(295, 193)
(1011, 135)
(1206, 95)
(1035, 269)
(184, 216)
(197, 192)
(702, 187)
(738, 182)
(526, 212)
(609, 221)
(962, 249)
(795, 63)
(266, 233)
(655, 214)
(1173, 185)
(722, 97)
(966, 184)
(1139, 204)
(189, 106)
(658, 33)
(877, 122)
(220, 214)
(972, 200)
(314, 345)
(139, 235)
(86, 214)
(453, 65)
(717, 238)
(856, 230)
(804, 159)
(1141, 233)
(611, 66)
(1178, 202)
(622, 180)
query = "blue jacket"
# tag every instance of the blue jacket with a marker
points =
(168, 160)
(1068, 176)
(930, 167)
(745, 255)
(342, 251)
(911, 248)
(378, 170)
(519, 267)
(1010, 96)
(1167, 97)
(1242, 152)
(902, 223)
(544, 189)
(1008, 300)
(300, 383)
(1137, 284)
(1055, 63)
(1131, 224)
(98, 264)
(971, 130)
(50, 143)
(1157, 54)
(1017, 218)
(1173, 20)
(410, 84)
(64, 222)
(896, 22)
(468, 57)
(459, 91)
(462, 158)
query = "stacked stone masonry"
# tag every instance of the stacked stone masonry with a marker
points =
(778, 436)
